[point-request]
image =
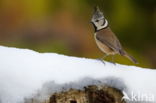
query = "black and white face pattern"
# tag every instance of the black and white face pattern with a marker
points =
(100, 24)
(98, 20)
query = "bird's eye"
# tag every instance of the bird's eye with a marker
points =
(97, 21)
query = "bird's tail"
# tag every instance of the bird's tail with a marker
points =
(124, 53)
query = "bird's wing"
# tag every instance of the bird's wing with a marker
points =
(108, 38)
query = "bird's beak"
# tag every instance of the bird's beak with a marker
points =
(91, 22)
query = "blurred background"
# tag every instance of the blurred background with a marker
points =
(63, 26)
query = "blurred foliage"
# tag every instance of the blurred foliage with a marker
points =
(63, 26)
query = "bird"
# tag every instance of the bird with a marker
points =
(105, 38)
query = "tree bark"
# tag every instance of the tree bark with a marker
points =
(90, 94)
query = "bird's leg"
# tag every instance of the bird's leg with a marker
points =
(101, 59)
(104, 57)
(112, 61)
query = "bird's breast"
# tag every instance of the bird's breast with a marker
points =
(104, 48)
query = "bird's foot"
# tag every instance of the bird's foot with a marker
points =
(101, 60)
(113, 63)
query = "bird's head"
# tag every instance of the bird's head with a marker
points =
(98, 19)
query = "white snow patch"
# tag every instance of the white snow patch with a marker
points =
(25, 72)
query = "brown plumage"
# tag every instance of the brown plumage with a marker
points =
(106, 40)
(109, 43)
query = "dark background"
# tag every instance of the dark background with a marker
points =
(63, 26)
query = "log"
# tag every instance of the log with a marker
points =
(38, 76)
(90, 94)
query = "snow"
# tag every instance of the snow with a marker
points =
(24, 73)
